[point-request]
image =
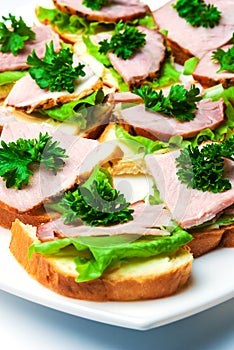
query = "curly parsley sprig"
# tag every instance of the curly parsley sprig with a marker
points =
(94, 4)
(224, 58)
(198, 13)
(96, 202)
(180, 103)
(13, 39)
(125, 41)
(19, 158)
(203, 168)
(55, 71)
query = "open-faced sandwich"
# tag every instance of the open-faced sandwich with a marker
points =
(135, 112)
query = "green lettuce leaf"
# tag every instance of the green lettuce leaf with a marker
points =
(140, 144)
(104, 252)
(77, 111)
(72, 24)
(10, 77)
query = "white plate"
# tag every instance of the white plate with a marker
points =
(212, 279)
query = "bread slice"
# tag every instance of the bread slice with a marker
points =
(137, 280)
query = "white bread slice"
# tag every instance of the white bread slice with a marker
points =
(139, 280)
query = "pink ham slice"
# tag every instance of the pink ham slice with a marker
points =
(83, 154)
(158, 126)
(115, 11)
(196, 41)
(206, 71)
(145, 63)
(27, 95)
(44, 35)
(189, 207)
(147, 220)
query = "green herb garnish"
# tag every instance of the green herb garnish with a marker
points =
(198, 13)
(203, 168)
(125, 41)
(55, 71)
(94, 4)
(13, 39)
(224, 58)
(96, 202)
(179, 103)
(18, 159)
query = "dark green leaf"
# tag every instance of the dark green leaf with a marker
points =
(179, 103)
(203, 168)
(17, 157)
(13, 39)
(55, 71)
(198, 13)
(125, 41)
(94, 4)
(96, 202)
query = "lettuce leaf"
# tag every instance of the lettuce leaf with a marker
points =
(10, 77)
(140, 144)
(72, 24)
(78, 111)
(104, 252)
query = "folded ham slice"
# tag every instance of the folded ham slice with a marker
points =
(206, 71)
(189, 207)
(115, 11)
(83, 154)
(27, 95)
(145, 63)
(155, 125)
(147, 220)
(187, 41)
(44, 35)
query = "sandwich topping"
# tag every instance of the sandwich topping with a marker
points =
(203, 168)
(179, 103)
(18, 159)
(94, 5)
(198, 13)
(13, 39)
(55, 71)
(125, 41)
(225, 58)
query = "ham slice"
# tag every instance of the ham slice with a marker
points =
(147, 220)
(206, 71)
(155, 125)
(83, 154)
(187, 41)
(27, 95)
(44, 35)
(115, 11)
(145, 63)
(189, 207)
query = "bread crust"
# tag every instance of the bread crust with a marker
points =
(112, 286)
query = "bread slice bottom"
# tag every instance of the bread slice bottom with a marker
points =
(138, 280)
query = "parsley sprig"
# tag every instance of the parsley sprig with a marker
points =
(224, 58)
(96, 202)
(13, 39)
(203, 168)
(180, 103)
(198, 13)
(55, 71)
(125, 41)
(94, 4)
(19, 158)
